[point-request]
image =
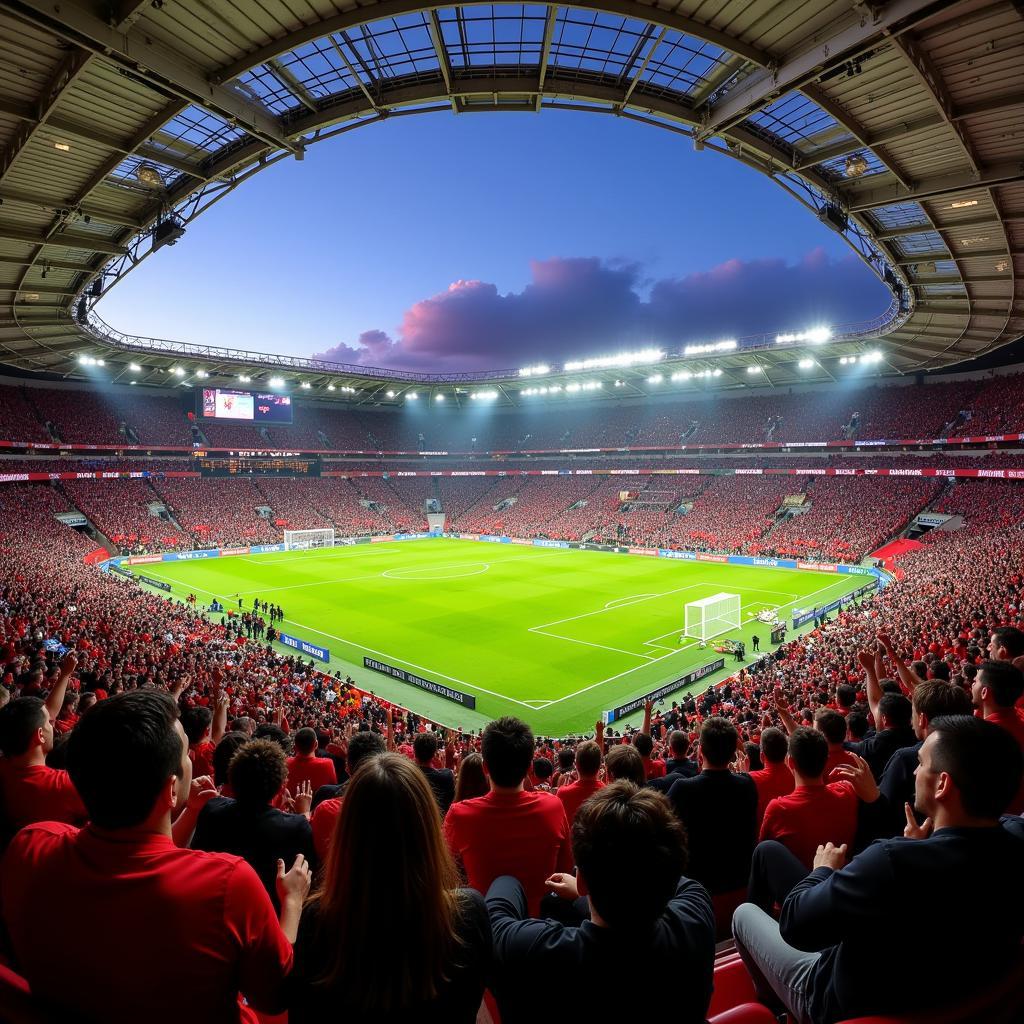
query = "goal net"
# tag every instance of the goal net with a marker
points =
(301, 540)
(712, 616)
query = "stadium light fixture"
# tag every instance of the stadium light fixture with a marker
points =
(178, 372)
(348, 390)
(755, 368)
(439, 398)
(244, 378)
(655, 378)
(411, 396)
(962, 204)
(306, 385)
(815, 336)
(806, 364)
(729, 345)
(390, 394)
(134, 368)
(276, 382)
(682, 375)
(331, 387)
(640, 357)
(202, 374)
(62, 146)
(100, 362)
(534, 371)
(484, 396)
(620, 383)
(855, 166)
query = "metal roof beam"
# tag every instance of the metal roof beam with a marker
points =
(70, 69)
(638, 75)
(928, 76)
(64, 240)
(757, 91)
(8, 195)
(34, 289)
(148, 61)
(441, 52)
(292, 84)
(920, 229)
(709, 86)
(545, 51)
(931, 188)
(924, 282)
(395, 8)
(991, 105)
(870, 140)
(74, 268)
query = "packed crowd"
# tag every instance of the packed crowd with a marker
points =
(935, 409)
(264, 837)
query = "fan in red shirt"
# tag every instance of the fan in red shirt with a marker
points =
(575, 794)
(29, 790)
(832, 726)
(305, 766)
(997, 688)
(160, 933)
(510, 831)
(775, 778)
(815, 812)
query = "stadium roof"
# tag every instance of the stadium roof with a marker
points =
(898, 123)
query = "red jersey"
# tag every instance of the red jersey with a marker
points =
(37, 793)
(323, 823)
(319, 771)
(201, 756)
(159, 933)
(576, 794)
(654, 768)
(773, 780)
(811, 816)
(836, 758)
(522, 834)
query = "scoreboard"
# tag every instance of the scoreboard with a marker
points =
(257, 463)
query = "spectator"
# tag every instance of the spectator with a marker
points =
(222, 755)
(362, 746)
(509, 831)
(654, 767)
(776, 778)
(893, 732)
(817, 811)
(1006, 644)
(247, 825)
(719, 810)
(472, 781)
(159, 932)
(305, 767)
(996, 690)
(588, 765)
(624, 764)
(387, 935)
(646, 920)
(543, 770)
(832, 725)
(441, 780)
(29, 790)
(821, 960)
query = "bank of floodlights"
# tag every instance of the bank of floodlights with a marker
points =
(711, 348)
(813, 336)
(639, 358)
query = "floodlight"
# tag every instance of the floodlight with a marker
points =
(134, 367)
(806, 364)
(755, 368)
(655, 378)
(306, 384)
(178, 372)
(717, 346)
(438, 398)
(411, 396)
(276, 382)
(535, 371)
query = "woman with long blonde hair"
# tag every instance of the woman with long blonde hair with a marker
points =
(388, 933)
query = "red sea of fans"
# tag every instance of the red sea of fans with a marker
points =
(201, 828)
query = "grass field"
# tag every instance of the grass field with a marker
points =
(554, 636)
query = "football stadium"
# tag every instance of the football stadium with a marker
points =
(635, 629)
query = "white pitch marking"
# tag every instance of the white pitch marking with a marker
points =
(632, 597)
(625, 604)
(573, 640)
(430, 568)
(654, 661)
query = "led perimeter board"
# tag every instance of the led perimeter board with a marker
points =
(245, 406)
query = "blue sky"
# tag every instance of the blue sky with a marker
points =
(487, 239)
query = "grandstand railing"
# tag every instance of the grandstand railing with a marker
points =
(876, 327)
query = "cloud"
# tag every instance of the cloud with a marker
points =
(586, 306)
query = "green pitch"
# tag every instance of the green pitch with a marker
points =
(553, 636)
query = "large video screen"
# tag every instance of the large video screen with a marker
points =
(249, 406)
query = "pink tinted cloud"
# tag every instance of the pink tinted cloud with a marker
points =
(583, 305)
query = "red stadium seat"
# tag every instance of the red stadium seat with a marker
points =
(745, 1013)
(725, 904)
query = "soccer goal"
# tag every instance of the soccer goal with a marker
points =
(712, 616)
(302, 540)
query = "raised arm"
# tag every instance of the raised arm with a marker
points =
(389, 716)
(867, 662)
(648, 708)
(909, 679)
(220, 710)
(55, 700)
(789, 723)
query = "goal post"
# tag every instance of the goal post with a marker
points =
(303, 540)
(712, 616)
